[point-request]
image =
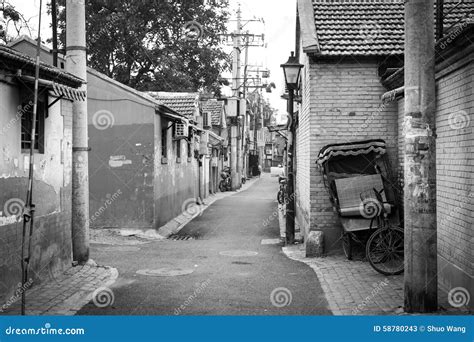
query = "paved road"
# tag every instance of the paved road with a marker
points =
(219, 284)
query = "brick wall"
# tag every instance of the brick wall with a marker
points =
(303, 155)
(345, 105)
(455, 169)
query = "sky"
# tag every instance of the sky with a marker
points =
(278, 26)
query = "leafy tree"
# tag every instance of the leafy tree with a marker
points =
(11, 18)
(143, 43)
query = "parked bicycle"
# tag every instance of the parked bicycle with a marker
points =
(282, 191)
(385, 246)
(225, 183)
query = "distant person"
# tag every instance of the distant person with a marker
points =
(259, 170)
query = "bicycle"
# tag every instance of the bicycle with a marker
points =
(282, 191)
(385, 247)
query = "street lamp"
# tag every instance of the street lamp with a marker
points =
(291, 70)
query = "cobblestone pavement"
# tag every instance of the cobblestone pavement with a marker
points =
(352, 287)
(68, 293)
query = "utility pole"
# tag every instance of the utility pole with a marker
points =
(234, 146)
(237, 130)
(421, 283)
(76, 65)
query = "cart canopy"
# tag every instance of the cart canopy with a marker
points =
(351, 158)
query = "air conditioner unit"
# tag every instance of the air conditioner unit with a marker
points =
(181, 130)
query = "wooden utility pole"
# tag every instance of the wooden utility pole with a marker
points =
(421, 283)
(76, 65)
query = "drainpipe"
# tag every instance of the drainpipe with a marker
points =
(76, 64)
(421, 282)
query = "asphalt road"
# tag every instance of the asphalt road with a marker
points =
(219, 284)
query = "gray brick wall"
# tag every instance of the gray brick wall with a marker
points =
(455, 170)
(344, 105)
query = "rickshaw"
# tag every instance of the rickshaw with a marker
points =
(361, 187)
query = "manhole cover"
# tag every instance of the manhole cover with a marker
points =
(177, 237)
(119, 249)
(166, 272)
(238, 253)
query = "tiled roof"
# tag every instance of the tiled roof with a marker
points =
(375, 27)
(182, 103)
(215, 108)
(13, 60)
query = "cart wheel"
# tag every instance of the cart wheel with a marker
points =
(385, 250)
(347, 245)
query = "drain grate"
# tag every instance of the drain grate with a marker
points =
(179, 237)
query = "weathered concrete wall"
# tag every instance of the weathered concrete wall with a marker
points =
(51, 242)
(121, 133)
(344, 105)
(176, 181)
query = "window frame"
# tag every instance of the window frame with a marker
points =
(27, 101)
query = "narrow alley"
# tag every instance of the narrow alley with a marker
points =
(234, 271)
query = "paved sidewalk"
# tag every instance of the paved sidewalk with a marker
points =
(352, 287)
(68, 293)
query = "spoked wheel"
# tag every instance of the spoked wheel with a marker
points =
(280, 197)
(384, 250)
(347, 245)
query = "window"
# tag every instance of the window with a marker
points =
(164, 141)
(178, 151)
(26, 112)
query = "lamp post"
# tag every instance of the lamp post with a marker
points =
(291, 70)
